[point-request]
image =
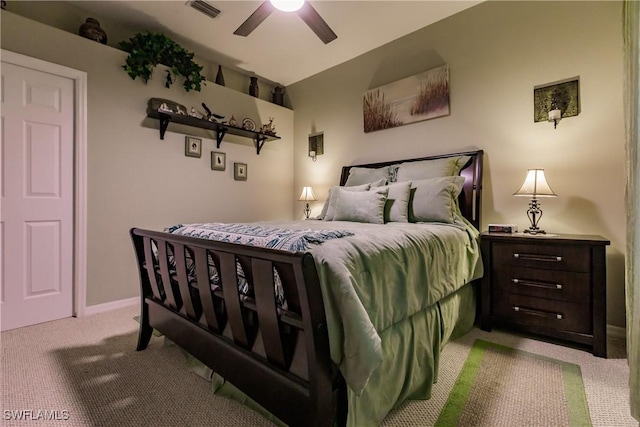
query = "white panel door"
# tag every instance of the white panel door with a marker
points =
(36, 223)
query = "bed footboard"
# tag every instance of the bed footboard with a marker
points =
(276, 352)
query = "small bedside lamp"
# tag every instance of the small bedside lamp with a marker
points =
(534, 186)
(307, 196)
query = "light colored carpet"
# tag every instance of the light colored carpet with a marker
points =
(502, 383)
(87, 370)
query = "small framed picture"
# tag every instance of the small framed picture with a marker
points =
(218, 161)
(192, 146)
(240, 171)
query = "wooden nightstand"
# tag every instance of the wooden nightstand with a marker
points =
(552, 285)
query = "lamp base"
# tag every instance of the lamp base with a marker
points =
(533, 231)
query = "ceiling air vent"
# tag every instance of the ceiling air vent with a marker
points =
(204, 7)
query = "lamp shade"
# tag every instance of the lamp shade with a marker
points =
(287, 5)
(307, 194)
(535, 185)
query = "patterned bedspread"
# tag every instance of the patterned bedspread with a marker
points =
(258, 235)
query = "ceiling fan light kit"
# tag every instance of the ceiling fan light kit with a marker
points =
(308, 14)
(287, 5)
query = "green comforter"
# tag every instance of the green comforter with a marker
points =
(382, 275)
(390, 299)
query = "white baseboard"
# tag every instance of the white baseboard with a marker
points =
(616, 332)
(108, 306)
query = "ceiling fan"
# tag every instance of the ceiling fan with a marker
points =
(301, 7)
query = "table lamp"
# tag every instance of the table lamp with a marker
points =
(534, 186)
(307, 196)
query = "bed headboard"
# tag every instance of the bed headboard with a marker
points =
(470, 199)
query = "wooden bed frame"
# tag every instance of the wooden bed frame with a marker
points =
(278, 357)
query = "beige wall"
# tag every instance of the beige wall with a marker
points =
(134, 178)
(497, 52)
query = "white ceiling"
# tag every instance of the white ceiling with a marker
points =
(282, 49)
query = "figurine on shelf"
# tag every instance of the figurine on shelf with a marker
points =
(234, 122)
(164, 107)
(268, 128)
(195, 113)
(211, 116)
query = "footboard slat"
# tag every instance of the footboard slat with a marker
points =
(272, 337)
(204, 289)
(183, 281)
(151, 271)
(164, 273)
(229, 279)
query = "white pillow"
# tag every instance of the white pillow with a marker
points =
(330, 205)
(425, 169)
(361, 206)
(359, 175)
(435, 199)
(397, 206)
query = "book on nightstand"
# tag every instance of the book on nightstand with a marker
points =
(503, 228)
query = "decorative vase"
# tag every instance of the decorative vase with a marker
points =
(91, 30)
(219, 76)
(278, 95)
(254, 90)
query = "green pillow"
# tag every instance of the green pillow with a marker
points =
(361, 206)
(330, 205)
(359, 175)
(425, 169)
(396, 208)
(435, 199)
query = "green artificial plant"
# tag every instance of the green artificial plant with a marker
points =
(146, 50)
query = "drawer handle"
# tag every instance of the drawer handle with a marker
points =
(533, 257)
(539, 313)
(536, 284)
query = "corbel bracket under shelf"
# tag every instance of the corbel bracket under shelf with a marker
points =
(220, 129)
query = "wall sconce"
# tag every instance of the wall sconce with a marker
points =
(316, 145)
(554, 114)
(534, 186)
(307, 196)
(555, 101)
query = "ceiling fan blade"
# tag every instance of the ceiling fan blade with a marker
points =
(316, 23)
(256, 18)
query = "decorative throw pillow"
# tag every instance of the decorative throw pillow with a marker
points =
(435, 199)
(397, 207)
(359, 176)
(330, 205)
(361, 206)
(425, 169)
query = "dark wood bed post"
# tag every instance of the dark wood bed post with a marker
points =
(145, 331)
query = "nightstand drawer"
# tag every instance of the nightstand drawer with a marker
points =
(559, 315)
(550, 284)
(550, 257)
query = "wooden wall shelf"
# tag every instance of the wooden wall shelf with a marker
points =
(220, 129)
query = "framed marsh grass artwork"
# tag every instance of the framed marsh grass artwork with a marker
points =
(413, 99)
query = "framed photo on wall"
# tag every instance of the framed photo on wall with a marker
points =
(240, 171)
(192, 146)
(218, 161)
